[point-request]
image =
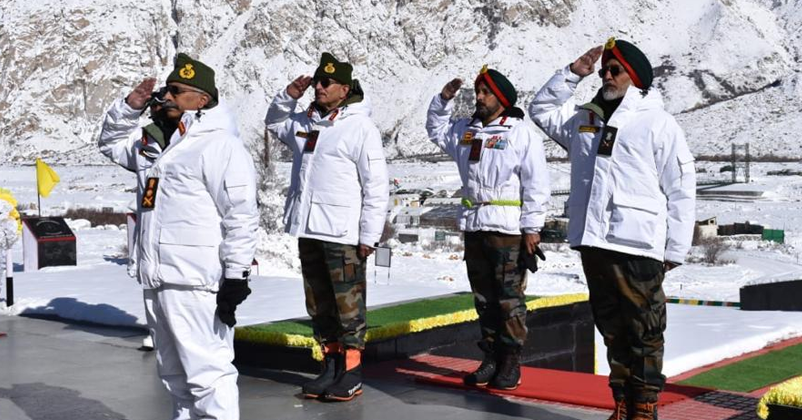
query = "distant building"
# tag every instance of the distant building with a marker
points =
(409, 217)
(707, 228)
(555, 230)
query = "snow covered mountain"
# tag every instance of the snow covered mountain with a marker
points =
(729, 69)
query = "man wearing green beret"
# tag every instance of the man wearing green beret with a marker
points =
(336, 206)
(505, 188)
(196, 234)
(153, 140)
(632, 209)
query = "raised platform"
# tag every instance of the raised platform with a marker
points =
(560, 337)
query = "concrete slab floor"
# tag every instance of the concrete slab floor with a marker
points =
(56, 370)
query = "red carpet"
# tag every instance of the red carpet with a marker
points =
(542, 384)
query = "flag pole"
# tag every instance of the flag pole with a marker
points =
(38, 197)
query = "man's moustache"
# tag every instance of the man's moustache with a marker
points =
(168, 105)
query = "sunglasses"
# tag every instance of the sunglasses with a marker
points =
(614, 71)
(158, 96)
(325, 82)
(175, 90)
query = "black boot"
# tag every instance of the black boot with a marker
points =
(482, 375)
(348, 382)
(622, 404)
(508, 376)
(332, 363)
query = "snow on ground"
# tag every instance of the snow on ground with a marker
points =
(99, 290)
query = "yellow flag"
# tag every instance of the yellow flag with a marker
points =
(46, 178)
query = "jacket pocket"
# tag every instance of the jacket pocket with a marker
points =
(633, 221)
(329, 215)
(190, 257)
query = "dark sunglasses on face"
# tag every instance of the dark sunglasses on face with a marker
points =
(324, 83)
(175, 90)
(614, 71)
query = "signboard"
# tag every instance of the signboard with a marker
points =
(439, 235)
(47, 242)
(383, 256)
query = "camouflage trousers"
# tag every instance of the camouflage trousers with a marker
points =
(498, 281)
(334, 285)
(629, 309)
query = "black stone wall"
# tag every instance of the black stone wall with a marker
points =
(559, 338)
(780, 296)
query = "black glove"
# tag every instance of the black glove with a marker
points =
(232, 293)
(530, 260)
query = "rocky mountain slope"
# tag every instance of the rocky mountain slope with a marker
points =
(729, 69)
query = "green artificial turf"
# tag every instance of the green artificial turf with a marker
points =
(753, 373)
(381, 317)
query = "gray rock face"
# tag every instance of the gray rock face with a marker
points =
(63, 62)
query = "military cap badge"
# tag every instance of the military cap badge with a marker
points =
(187, 72)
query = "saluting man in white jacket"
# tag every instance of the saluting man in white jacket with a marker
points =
(505, 188)
(632, 208)
(336, 206)
(137, 154)
(196, 236)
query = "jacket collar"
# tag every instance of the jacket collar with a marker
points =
(508, 119)
(353, 105)
(634, 101)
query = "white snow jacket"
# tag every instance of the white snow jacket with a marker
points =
(339, 187)
(203, 223)
(507, 188)
(135, 153)
(639, 200)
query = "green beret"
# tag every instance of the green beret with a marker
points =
(501, 87)
(634, 61)
(333, 69)
(194, 73)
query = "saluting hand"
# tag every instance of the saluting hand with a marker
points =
(451, 88)
(298, 86)
(584, 65)
(141, 94)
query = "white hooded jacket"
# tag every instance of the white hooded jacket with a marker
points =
(203, 224)
(339, 187)
(640, 200)
(508, 187)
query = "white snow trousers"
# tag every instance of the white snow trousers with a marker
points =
(194, 351)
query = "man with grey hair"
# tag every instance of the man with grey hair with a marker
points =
(632, 209)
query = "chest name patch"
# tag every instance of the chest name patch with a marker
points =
(311, 141)
(476, 150)
(589, 129)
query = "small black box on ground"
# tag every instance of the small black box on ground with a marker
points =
(47, 242)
